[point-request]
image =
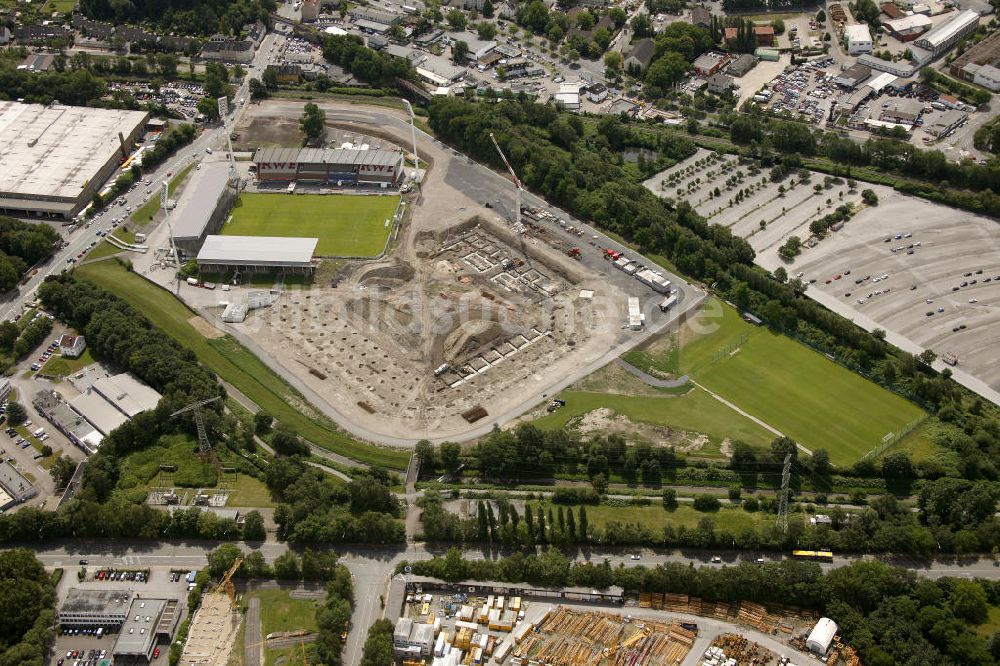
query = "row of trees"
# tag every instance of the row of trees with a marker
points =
(22, 245)
(889, 614)
(191, 18)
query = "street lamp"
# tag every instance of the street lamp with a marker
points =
(413, 134)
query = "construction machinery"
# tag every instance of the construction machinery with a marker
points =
(204, 446)
(574, 253)
(611, 255)
(517, 183)
(226, 584)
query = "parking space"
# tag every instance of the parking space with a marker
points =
(805, 91)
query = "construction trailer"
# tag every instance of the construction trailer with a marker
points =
(635, 316)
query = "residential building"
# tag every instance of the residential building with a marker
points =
(360, 13)
(640, 56)
(226, 49)
(701, 18)
(72, 346)
(764, 35)
(720, 83)
(858, 39)
(597, 93)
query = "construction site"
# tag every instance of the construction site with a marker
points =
(213, 628)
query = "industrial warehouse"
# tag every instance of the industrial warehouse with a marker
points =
(55, 158)
(339, 166)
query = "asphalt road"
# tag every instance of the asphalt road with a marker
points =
(371, 567)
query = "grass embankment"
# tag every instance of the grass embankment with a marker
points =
(346, 225)
(655, 517)
(236, 365)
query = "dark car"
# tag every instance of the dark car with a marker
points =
(83, 563)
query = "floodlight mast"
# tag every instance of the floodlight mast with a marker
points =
(517, 184)
(413, 135)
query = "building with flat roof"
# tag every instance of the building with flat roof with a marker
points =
(984, 54)
(853, 76)
(340, 166)
(94, 608)
(77, 429)
(257, 253)
(942, 38)
(98, 412)
(142, 630)
(710, 62)
(203, 206)
(127, 394)
(858, 39)
(16, 486)
(53, 159)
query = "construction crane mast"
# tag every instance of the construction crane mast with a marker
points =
(517, 183)
(204, 446)
(226, 584)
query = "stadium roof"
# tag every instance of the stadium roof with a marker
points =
(53, 152)
(258, 251)
(198, 201)
(327, 156)
(943, 33)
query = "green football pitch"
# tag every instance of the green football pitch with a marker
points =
(346, 225)
(808, 397)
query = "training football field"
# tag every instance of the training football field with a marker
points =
(346, 225)
(793, 388)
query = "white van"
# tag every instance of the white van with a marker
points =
(39, 432)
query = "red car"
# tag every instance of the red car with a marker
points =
(156, 652)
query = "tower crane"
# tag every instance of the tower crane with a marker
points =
(226, 584)
(518, 227)
(204, 446)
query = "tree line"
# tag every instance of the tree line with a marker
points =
(890, 615)
(22, 245)
(578, 167)
(27, 596)
(372, 67)
(189, 17)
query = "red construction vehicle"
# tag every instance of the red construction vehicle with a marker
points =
(573, 252)
(611, 255)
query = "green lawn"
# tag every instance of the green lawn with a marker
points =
(279, 612)
(696, 411)
(59, 366)
(793, 388)
(992, 624)
(236, 365)
(655, 517)
(346, 225)
(145, 212)
(106, 249)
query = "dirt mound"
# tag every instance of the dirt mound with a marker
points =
(471, 337)
(397, 271)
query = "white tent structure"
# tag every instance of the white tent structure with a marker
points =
(821, 636)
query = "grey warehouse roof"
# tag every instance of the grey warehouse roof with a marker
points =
(139, 633)
(96, 602)
(199, 199)
(327, 156)
(55, 151)
(257, 250)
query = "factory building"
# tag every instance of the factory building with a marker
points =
(341, 166)
(908, 28)
(858, 39)
(942, 38)
(53, 159)
(203, 207)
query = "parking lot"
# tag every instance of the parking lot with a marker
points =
(805, 91)
(963, 319)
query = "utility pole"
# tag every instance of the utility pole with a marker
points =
(786, 475)
(413, 135)
(517, 183)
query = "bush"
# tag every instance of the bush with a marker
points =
(669, 499)
(707, 503)
(734, 493)
(869, 197)
(575, 496)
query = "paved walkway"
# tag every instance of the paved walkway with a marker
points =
(650, 379)
(252, 642)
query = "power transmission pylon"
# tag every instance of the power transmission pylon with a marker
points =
(786, 475)
(204, 446)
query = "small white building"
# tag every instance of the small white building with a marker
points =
(412, 639)
(71, 346)
(821, 636)
(858, 39)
